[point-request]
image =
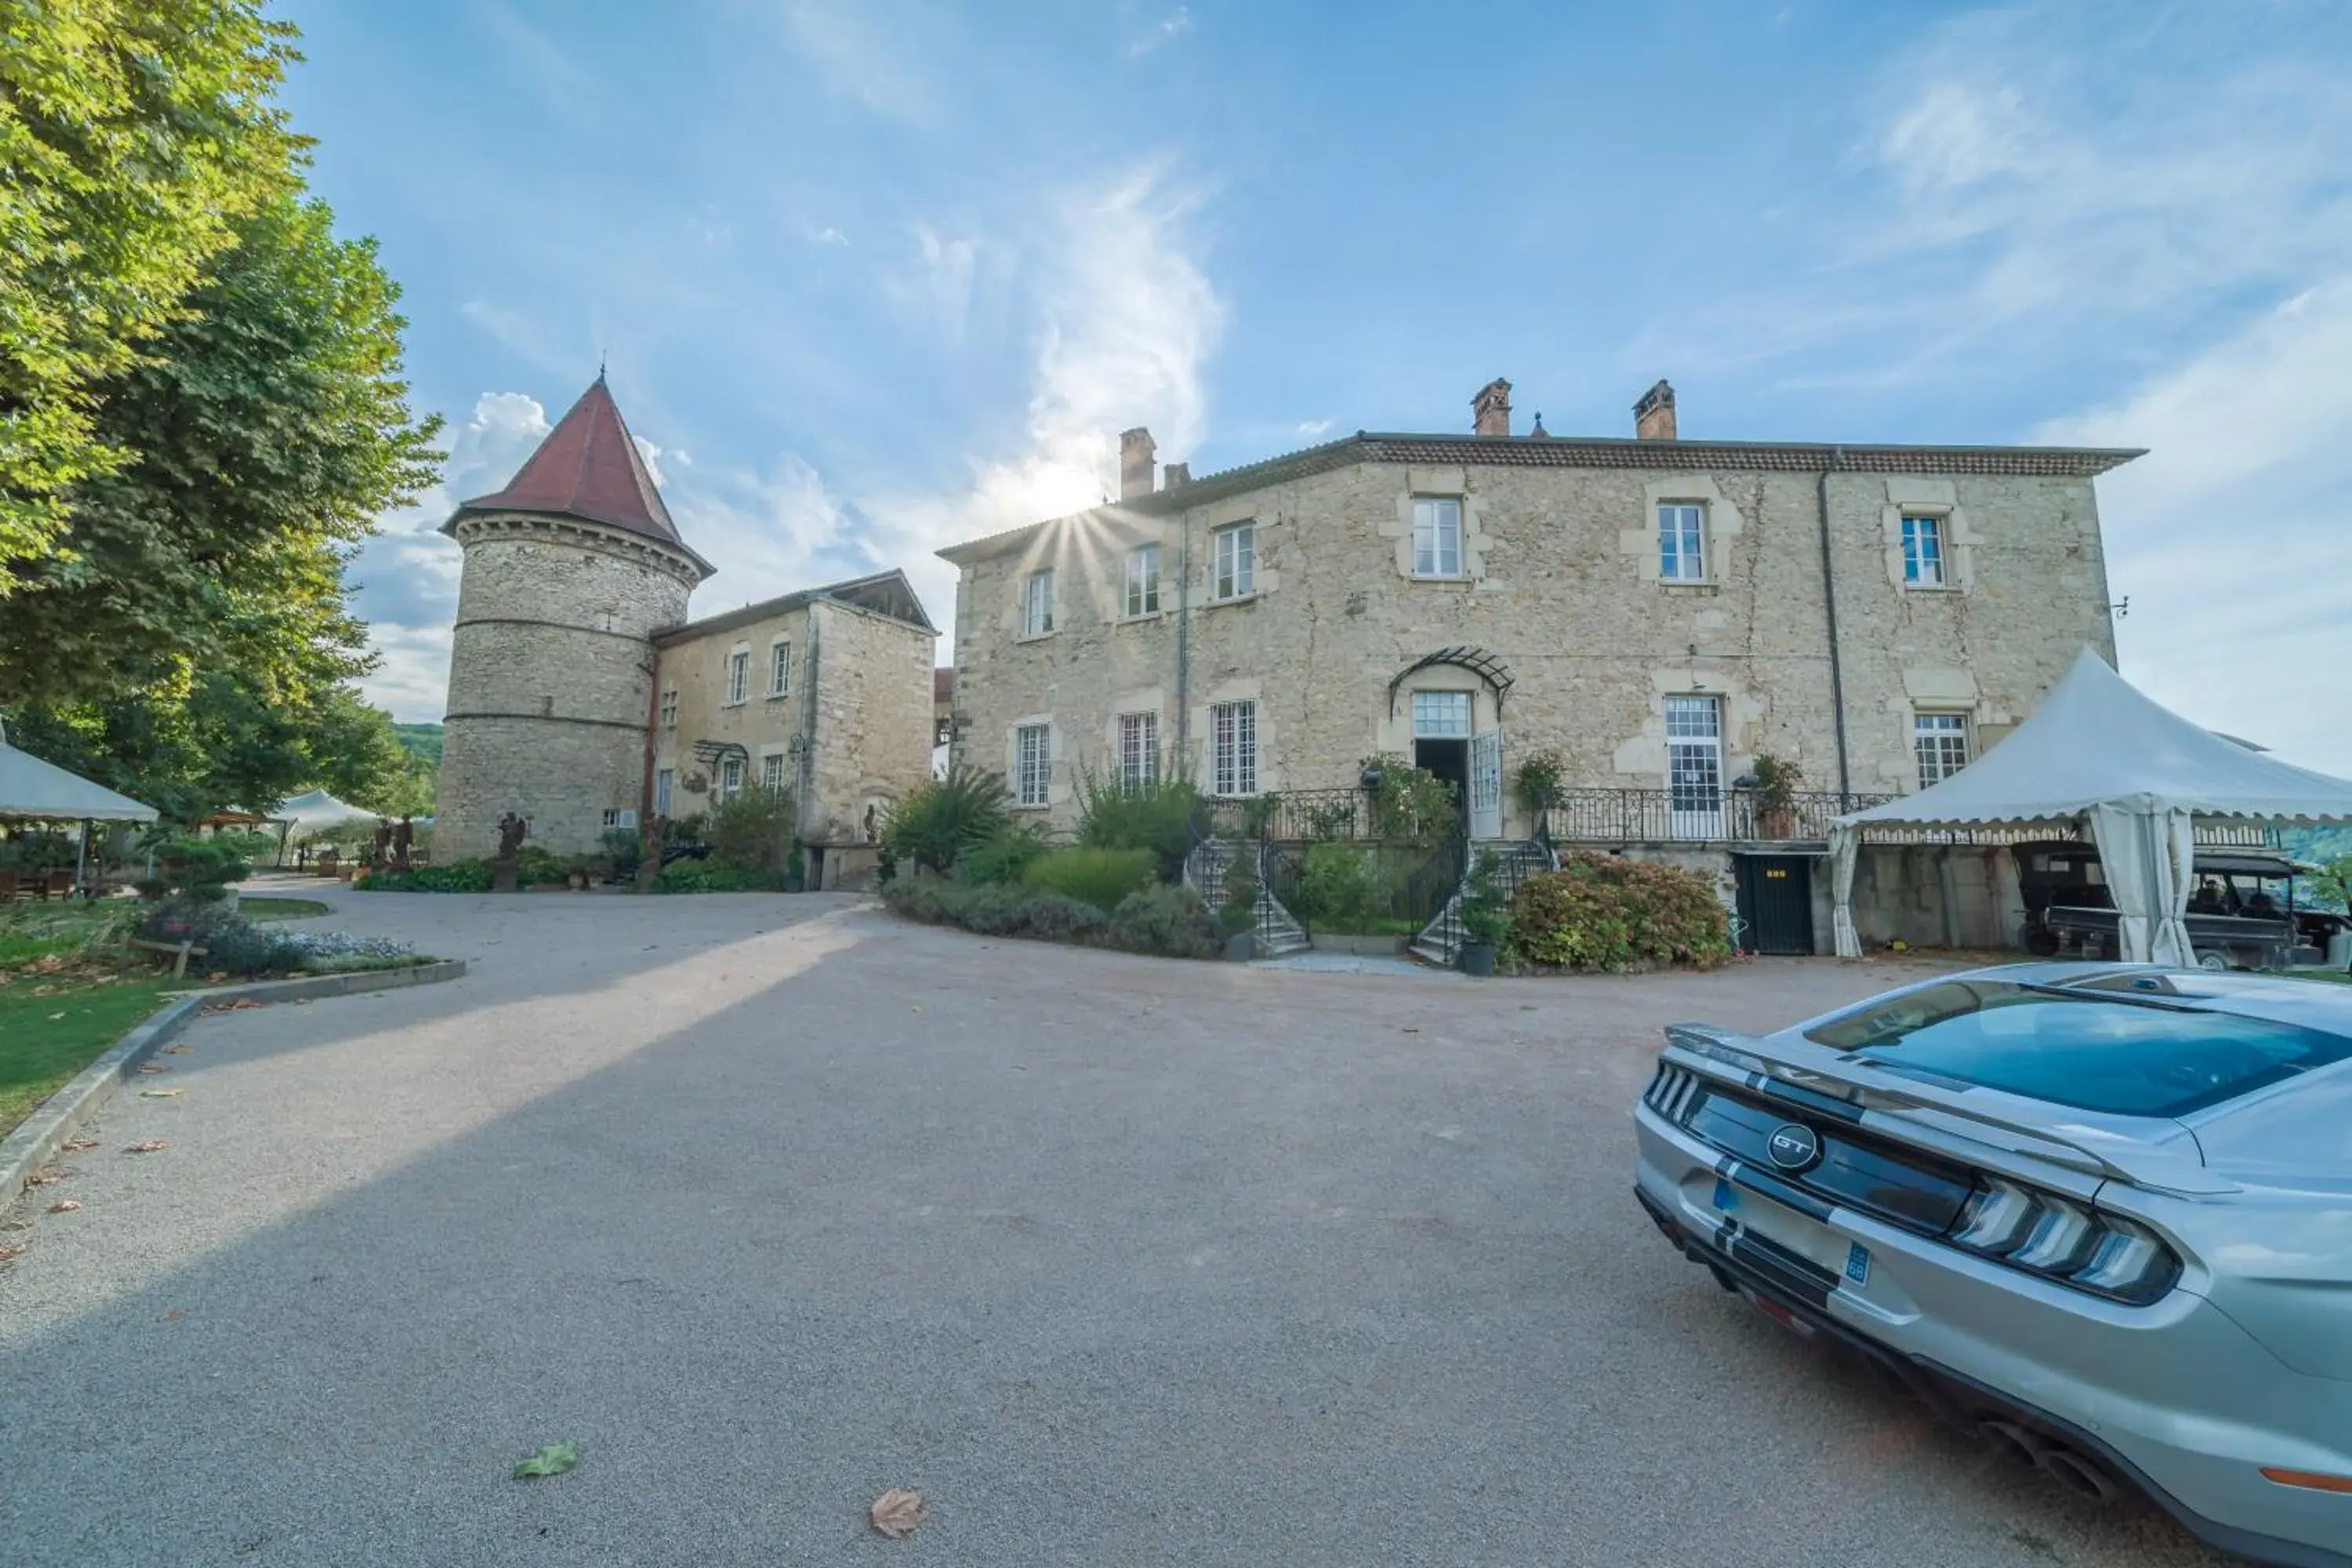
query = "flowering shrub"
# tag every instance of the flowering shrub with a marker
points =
(1612, 912)
(235, 945)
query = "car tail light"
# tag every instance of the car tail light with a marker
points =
(2064, 1240)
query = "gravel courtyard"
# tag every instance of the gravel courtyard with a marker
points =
(773, 1204)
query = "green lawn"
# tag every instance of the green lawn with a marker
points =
(280, 908)
(2327, 976)
(51, 1029)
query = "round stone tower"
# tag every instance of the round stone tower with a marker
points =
(569, 570)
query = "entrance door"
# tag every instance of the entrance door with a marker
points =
(1486, 785)
(1694, 767)
(1441, 739)
(1775, 904)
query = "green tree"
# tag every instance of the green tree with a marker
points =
(268, 429)
(134, 136)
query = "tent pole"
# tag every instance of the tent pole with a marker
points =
(81, 855)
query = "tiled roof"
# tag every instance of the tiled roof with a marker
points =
(1591, 452)
(588, 467)
(943, 684)
(885, 593)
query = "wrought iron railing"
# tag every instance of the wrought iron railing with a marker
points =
(1364, 886)
(1698, 816)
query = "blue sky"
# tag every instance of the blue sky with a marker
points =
(875, 276)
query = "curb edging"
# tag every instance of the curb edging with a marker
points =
(37, 1138)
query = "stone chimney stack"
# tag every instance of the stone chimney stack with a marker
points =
(1653, 416)
(1135, 449)
(1490, 411)
(1175, 476)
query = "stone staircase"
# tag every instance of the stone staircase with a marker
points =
(1516, 860)
(1205, 871)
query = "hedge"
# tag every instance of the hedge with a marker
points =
(1612, 912)
(1165, 922)
(1100, 877)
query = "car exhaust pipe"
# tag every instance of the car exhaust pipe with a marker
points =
(2085, 1478)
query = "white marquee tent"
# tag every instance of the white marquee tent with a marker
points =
(317, 811)
(2100, 759)
(31, 789)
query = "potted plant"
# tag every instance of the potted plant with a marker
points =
(1777, 781)
(1542, 778)
(1485, 922)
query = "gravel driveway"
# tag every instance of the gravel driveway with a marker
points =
(772, 1204)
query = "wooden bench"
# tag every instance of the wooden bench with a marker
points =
(180, 951)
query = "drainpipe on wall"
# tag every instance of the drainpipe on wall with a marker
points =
(1829, 600)
(807, 785)
(1185, 651)
(653, 742)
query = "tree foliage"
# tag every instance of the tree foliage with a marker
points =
(134, 136)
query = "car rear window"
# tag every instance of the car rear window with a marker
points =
(2089, 1053)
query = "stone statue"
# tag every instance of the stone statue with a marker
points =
(513, 831)
(380, 845)
(404, 836)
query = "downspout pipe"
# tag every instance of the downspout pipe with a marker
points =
(1184, 651)
(1829, 602)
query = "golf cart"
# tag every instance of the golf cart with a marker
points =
(2242, 909)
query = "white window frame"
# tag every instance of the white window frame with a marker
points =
(665, 784)
(1682, 541)
(739, 677)
(1442, 715)
(618, 819)
(1138, 750)
(730, 777)
(1234, 563)
(669, 707)
(1927, 551)
(1032, 765)
(771, 772)
(1037, 604)
(779, 669)
(1437, 537)
(1941, 744)
(1233, 749)
(1141, 595)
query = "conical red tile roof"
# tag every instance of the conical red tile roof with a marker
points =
(587, 467)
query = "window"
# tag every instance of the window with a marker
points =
(1436, 536)
(771, 772)
(1682, 541)
(1033, 763)
(1441, 715)
(1236, 561)
(730, 776)
(669, 707)
(1923, 552)
(1138, 750)
(780, 669)
(1694, 767)
(1143, 580)
(664, 782)
(620, 821)
(1233, 734)
(739, 677)
(1941, 740)
(1037, 604)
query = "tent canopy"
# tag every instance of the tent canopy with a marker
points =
(2137, 775)
(31, 788)
(318, 810)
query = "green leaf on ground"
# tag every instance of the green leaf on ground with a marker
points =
(551, 1460)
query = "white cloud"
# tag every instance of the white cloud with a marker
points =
(860, 50)
(1168, 28)
(2230, 536)
(828, 236)
(1312, 428)
(938, 291)
(652, 454)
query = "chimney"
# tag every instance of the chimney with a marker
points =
(1653, 416)
(1490, 411)
(1135, 449)
(1175, 475)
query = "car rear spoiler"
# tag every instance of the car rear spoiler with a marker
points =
(1712, 1050)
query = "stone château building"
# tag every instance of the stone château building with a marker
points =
(582, 698)
(1660, 613)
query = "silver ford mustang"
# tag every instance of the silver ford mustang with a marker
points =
(2100, 1213)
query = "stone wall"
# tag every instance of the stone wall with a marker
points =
(763, 723)
(550, 679)
(1561, 583)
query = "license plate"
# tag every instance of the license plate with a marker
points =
(1805, 1237)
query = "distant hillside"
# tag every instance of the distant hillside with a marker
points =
(421, 740)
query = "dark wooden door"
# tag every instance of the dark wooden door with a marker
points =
(1776, 903)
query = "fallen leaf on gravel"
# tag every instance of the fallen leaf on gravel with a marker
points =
(49, 1177)
(152, 1067)
(76, 1145)
(236, 1004)
(12, 1251)
(146, 1146)
(64, 1205)
(176, 1050)
(160, 1093)
(174, 1315)
(551, 1460)
(896, 1512)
